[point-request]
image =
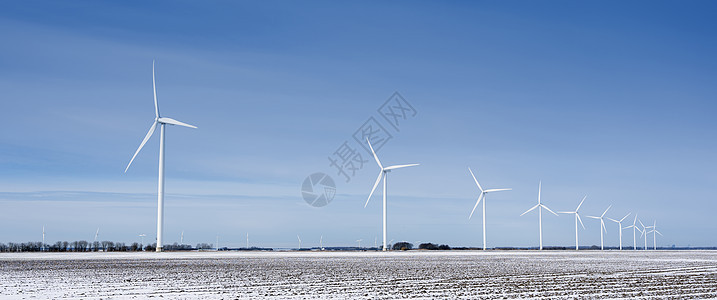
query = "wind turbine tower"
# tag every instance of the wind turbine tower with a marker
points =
(483, 197)
(619, 226)
(383, 174)
(540, 207)
(577, 218)
(634, 227)
(602, 226)
(161, 121)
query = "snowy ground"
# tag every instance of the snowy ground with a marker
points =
(360, 275)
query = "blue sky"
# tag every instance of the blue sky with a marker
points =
(610, 99)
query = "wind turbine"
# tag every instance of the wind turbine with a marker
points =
(644, 232)
(359, 242)
(297, 236)
(654, 235)
(181, 238)
(141, 236)
(619, 226)
(247, 240)
(540, 207)
(321, 243)
(383, 174)
(634, 227)
(482, 196)
(97, 233)
(161, 121)
(43, 238)
(577, 218)
(602, 225)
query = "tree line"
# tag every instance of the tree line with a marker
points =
(85, 246)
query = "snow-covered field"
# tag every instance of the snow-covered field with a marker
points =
(360, 275)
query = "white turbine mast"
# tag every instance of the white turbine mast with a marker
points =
(181, 238)
(297, 236)
(247, 240)
(383, 174)
(161, 121)
(619, 226)
(43, 238)
(540, 207)
(141, 236)
(634, 227)
(577, 219)
(321, 243)
(602, 226)
(482, 196)
(359, 243)
(654, 232)
(644, 232)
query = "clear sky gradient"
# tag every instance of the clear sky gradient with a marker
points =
(611, 99)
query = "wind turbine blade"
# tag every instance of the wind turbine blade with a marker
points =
(608, 208)
(581, 221)
(658, 232)
(380, 174)
(634, 221)
(548, 209)
(594, 217)
(476, 180)
(174, 122)
(643, 225)
(474, 207)
(602, 224)
(374, 154)
(154, 88)
(581, 203)
(399, 166)
(497, 190)
(540, 186)
(625, 217)
(611, 219)
(566, 212)
(628, 227)
(149, 134)
(532, 208)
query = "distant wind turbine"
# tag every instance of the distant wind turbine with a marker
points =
(383, 174)
(43, 237)
(321, 243)
(247, 240)
(654, 235)
(97, 233)
(634, 227)
(359, 242)
(161, 121)
(181, 238)
(540, 207)
(619, 226)
(602, 226)
(141, 236)
(644, 232)
(482, 196)
(297, 236)
(577, 218)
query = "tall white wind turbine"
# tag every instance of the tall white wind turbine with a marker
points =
(634, 227)
(297, 236)
(602, 225)
(654, 232)
(577, 218)
(619, 226)
(43, 237)
(482, 196)
(161, 121)
(540, 207)
(383, 174)
(644, 232)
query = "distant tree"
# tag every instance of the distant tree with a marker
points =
(428, 246)
(135, 247)
(444, 247)
(402, 246)
(150, 247)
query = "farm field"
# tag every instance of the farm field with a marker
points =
(360, 275)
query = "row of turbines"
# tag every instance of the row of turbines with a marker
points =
(383, 174)
(161, 122)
